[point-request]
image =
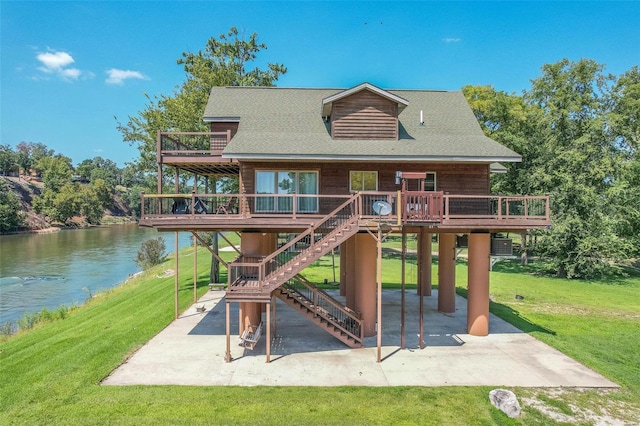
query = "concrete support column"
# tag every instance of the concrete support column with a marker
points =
(365, 281)
(447, 273)
(254, 244)
(350, 272)
(478, 284)
(424, 263)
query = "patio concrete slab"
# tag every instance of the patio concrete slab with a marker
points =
(191, 351)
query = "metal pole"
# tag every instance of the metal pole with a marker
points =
(402, 305)
(195, 269)
(379, 280)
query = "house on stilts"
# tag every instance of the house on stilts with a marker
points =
(322, 169)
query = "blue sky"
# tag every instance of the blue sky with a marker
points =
(67, 68)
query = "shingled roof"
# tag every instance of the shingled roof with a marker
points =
(287, 124)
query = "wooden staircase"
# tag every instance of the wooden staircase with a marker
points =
(323, 310)
(253, 279)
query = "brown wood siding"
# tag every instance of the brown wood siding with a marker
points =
(459, 179)
(224, 126)
(364, 115)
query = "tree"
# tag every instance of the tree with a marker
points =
(8, 160)
(84, 169)
(225, 61)
(624, 121)
(66, 203)
(55, 171)
(11, 215)
(577, 130)
(151, 253)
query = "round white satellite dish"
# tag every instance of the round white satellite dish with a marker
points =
(382, 208)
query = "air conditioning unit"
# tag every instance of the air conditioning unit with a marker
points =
(501, 247)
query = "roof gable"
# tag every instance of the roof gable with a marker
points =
(327, 103)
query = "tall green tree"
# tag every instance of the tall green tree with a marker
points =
(624, 126)
(225, 61)
(11, 215)
(576, 129)
(8, 160)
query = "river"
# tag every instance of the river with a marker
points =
(64, 268)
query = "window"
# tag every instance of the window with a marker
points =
(430, 182)
(285, 184)
(363, 181)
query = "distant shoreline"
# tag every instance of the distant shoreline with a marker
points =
(54, 229)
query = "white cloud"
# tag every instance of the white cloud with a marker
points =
(117, 76)
(452, 40)
(72, 73)
(55, 62)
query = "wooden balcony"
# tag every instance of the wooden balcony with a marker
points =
(295, 212)
(196, 152)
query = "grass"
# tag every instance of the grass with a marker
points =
(51, 374)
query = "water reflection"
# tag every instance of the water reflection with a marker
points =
(49, 270)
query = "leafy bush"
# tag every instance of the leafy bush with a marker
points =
(151, 253)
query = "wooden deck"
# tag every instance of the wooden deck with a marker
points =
(250, 212)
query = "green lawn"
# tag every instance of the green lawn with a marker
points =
(51, 374)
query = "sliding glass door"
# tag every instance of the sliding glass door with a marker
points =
(285, 184)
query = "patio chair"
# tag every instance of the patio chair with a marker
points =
(230, 207)
(200, 207)
(180, 206)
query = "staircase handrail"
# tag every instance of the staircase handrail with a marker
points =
(351, 312)
(310, 231)
(320, 294)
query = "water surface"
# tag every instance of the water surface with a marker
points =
(48, 270)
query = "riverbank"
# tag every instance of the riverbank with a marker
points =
(77, 226)
(26, 190)
(65, 266)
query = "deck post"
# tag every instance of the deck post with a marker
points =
(228, 328)
(254, 244)
(424, 263)
(350, 272)
(478, 284)
(275, 318)
(343, 269)
(269, 330)
(175, 276)
(447, 273)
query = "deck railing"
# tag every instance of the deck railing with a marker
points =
(415, 207)
(191, 143)
(496, 207)
(240, 205)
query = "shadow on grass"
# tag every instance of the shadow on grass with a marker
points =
(510, 315)
(411, 258)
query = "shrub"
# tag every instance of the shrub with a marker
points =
(151, 253)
